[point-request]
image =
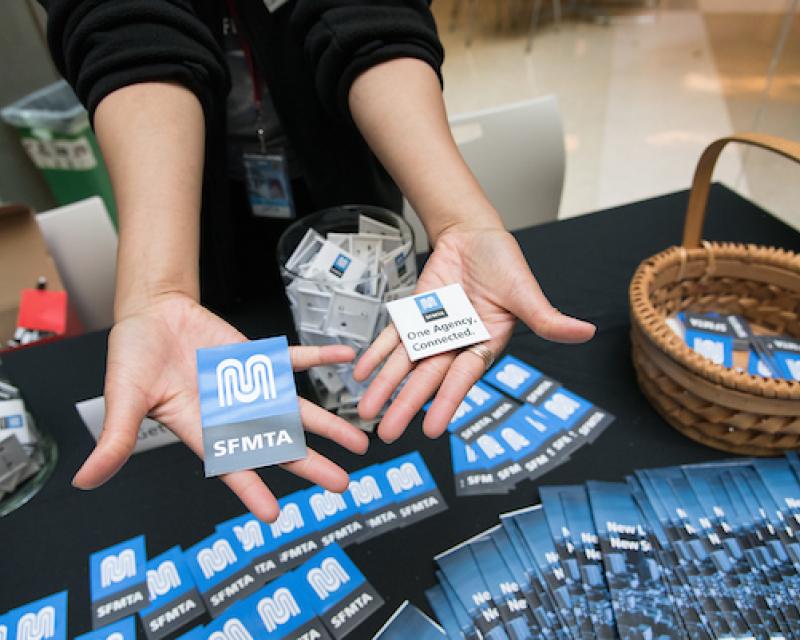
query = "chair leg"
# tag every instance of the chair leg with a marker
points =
(454, 13)
(536, 11)
(473, 7)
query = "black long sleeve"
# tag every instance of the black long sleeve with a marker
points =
(102, 45)
(343, 38)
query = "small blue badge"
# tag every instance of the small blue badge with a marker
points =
(430, 306)
(513, 376)
(44, 619)
(412, 488)
(284, 609)
(340, 265)
(117, 581)
(336, 517)
(248, 405)
(174, 600)
(293, 534)
(371, 495)
(121, 630)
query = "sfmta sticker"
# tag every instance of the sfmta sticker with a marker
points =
(248, 405)
(117, 581)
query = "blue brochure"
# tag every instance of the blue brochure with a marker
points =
(117, 581)
(443, 611)
(124, 629)
(373, 498)
(340, 594)
(284, 610)
(248, 406)
(42, 619)
(336, 517)
(222, 575)
(462, 573)
(412, 488)
(255, 544)
(174, 599)
(409, 622)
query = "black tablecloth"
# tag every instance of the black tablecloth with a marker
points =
(583, 264)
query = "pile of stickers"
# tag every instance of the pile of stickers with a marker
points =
(497, 440)
(731, 342)
(284, 576)
(20, 458)
(697, 551)
(337, 286)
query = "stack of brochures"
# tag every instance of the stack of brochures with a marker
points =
(695, 551)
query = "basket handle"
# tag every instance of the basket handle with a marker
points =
(698, 197)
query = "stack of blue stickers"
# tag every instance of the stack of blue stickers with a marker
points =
(326, 597)
(694, 551)
(517, 423)
(218, 573)
(730, 341)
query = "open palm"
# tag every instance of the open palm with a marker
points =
(151, 370)
(488, 263)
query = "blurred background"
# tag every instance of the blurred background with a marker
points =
(641, 88)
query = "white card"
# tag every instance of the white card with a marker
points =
(436, 321)
(336, 265)
(370, 225)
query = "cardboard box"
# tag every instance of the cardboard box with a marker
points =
(23, 259)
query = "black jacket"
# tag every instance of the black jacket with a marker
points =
(309, 52)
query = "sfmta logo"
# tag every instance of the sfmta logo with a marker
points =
(250, 535)
(365, 490)
(116, 568)
(215, 558)
(404, 477)
(490, 447)
(326, 504)
(327, 578)
(513, 375)
(161, 580)
(514, 438)
(233, 629)
(278, 609)
(37, 626)
(430, 307)
(246, 382)
(289, 519)
(115, 636)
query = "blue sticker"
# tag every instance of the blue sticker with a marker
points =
(222, 575)
(124, 629)
(284, 609)
(513, 377)
(430, 306)
(787, 354)
(340, 265)
(471, 470)
(564, 408)
(248, 405)
(477, 411)
(44, 619)
(714, 347)
(174, 600)
(412, 487)
(373, 498)
(339, 593)
(117, 568)
(756, 366)
(237, 623)
(293, 533)
(255, 543)
(335, 516)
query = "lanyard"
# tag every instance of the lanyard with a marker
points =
(252, 71)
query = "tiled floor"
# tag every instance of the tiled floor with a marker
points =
(642, 95)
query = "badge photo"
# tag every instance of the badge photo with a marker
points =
(174, 599)
(117, 581)
(248, 406)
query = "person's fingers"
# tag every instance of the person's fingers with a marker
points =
(378, 351)
(420, 386)
(319, 470)
(126, 407)
(306, 357)
(254, 494)
(382, 387)
(531, 306)
(325, 424)
(465, 371)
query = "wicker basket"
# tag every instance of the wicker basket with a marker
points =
(719, 407)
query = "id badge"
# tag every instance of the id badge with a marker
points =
(268, 186)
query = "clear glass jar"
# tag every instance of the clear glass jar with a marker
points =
(334, 300)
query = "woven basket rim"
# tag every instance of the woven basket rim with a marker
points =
(654, 327)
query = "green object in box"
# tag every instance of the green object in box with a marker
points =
(54, 129)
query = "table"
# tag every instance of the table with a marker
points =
(584, 264)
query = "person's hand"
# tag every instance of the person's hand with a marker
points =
(152, 371)
(488, 263)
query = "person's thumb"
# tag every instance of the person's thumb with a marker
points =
(531, 306)
(125, 410)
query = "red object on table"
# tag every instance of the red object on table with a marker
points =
(43, 310)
